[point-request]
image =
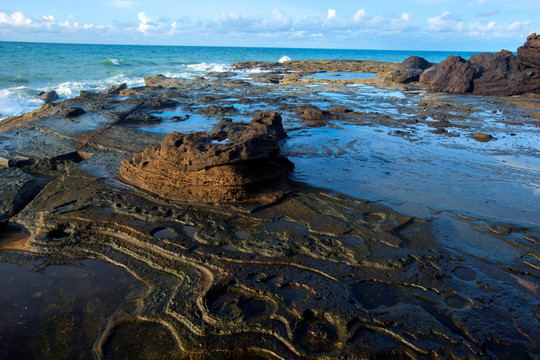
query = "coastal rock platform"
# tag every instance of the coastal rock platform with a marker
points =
(165, 222)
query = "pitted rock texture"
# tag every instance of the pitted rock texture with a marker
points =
(233, 162)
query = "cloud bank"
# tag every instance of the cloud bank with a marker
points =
(277, 28)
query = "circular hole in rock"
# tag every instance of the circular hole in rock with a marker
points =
(373, 295)
(372, 217)
(164, 233)
(456, 302)
(253, 308)
(60, 233)
(464, 273)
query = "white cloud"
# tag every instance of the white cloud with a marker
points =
(278, 22)
(359, 15)
(517, 25)
(146, 23)
(331, 14)
(441, 23)
(406, 16)
(16, 19)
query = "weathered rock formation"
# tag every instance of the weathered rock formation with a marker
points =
(233, 162)
(409, 71)
(499, 74)
(529, 53)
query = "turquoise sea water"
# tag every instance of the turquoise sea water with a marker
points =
(29, 68)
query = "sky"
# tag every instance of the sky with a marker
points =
(453, 25)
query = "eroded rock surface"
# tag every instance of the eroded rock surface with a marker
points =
(233, 162)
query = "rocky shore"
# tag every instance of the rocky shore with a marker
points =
(176, 208)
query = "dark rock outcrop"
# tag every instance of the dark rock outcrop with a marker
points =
(453, 75)
(529, 54)
(409, 71)
(233, 162)
(48, 96)
(499, 74)
(114, 90)
(312, 115)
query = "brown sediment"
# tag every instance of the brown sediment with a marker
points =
(10, 239)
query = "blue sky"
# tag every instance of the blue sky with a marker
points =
(470, 25)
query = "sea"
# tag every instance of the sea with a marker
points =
(26, 69)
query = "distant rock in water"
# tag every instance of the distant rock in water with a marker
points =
(499, 74)
(233, 162)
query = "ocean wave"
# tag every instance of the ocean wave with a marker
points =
(179, 75)
(112, 62)
(284, 58)
(209, 67)
(18, 100)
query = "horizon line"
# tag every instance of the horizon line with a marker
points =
(249, 47)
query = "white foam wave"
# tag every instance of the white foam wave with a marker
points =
(179, 75)
(209, 67)
(17, 101)
(284, 58)
(69, 89)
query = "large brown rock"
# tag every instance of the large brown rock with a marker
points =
(453, 75)
(499, 74)
(529, 53)
(233, 162)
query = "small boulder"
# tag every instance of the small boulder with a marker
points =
(48, 96)
(410, 71)
(482, 137)
(416, 62)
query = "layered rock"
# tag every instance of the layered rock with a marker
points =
(233, 162)
(499, 74)
(529, 53)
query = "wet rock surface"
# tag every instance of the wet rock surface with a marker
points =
(111, 269)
